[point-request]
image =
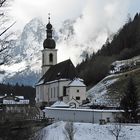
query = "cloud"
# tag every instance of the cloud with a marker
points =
(95, 20)
(98, 20)
(25, 10)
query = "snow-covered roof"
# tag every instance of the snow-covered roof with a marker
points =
(40, 82)
(62, 70)
(86, 110)
(54, 81)
(76, 83)
(20, 97)
(60, 104)
(73, 101)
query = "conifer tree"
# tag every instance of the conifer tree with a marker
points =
(129, 102)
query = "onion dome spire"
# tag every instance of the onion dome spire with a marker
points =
(49, 42)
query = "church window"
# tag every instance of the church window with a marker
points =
(57, 91)
(51, 57)
(54, 91)
(51, 93)
(77, 90)
(77, 98)
(48, 93)
(64, 91)
(43, 59)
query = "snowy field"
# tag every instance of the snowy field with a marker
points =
(89, 131)
(98, 93)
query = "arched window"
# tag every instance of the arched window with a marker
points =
(51, 57)
(43, 59)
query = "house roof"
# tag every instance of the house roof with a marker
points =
(77, 83)
(73, 101)
(63, 70)
(60, 104)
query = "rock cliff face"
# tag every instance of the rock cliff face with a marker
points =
(25, 65)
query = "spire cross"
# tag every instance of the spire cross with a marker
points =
(49, 17)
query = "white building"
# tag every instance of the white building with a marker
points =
(13, 100)
(59, 81)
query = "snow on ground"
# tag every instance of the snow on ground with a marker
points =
(98, 93)
(89, 131)
(123, 63)
(128, 61)
(54, 132)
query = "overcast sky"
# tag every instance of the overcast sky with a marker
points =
(99, 18)
(25, 10)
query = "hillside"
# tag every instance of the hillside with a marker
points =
(110, 90)
(123, 45)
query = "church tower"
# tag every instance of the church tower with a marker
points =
(49, 53)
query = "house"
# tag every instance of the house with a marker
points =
(13, 100)
(59, 81)
(16, 107)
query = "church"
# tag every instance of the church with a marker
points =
(59, 81)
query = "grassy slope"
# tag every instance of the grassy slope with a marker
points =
(116, 90)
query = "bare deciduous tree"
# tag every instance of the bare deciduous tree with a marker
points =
(116, 130)
(4, 38)
(69, 131)
(4, 50)
(2, 2)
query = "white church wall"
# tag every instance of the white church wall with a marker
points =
(53, 92)
(56, 89)
(45, 92)
(41, 97)
(37, 94)
(62, 84)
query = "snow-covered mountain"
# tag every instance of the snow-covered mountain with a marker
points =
(24, 65)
